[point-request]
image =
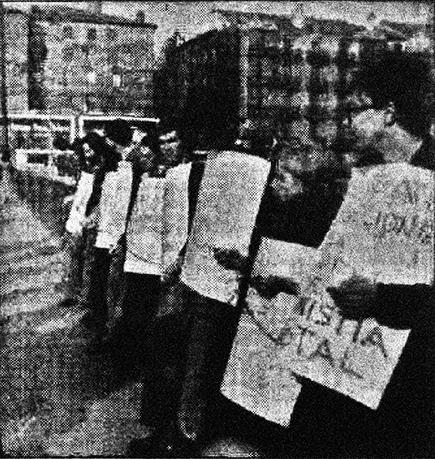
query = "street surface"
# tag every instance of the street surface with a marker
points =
(57, 398)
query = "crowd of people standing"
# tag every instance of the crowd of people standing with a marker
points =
(182, 336)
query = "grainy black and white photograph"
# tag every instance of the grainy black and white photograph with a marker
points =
(217, 229)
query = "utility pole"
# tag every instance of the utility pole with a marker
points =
(4, 140)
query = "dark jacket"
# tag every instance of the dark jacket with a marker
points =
(328, 424)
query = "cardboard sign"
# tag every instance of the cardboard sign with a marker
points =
(384, 229)
(228, 203)
(145, 229)
(81, 198)
(115, 198)
(384, 233)
(259, 375)
(354, 358)
(176, 212)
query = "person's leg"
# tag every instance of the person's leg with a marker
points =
(141, 299)
(181, 411)
(212, 329)
(97, 298)
(128, 338)
(89, 238)
(164, 372)
(164, 364)
(116, 282)
(73, 261)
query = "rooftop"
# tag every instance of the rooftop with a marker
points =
(66, 14)
(310, 24)
(405, 28)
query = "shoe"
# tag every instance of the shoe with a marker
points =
(154, 446)
(143, 447)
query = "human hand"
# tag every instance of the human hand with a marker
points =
(172, 272)
(89, 222)
(354, 297)
(270, 286)
(230, 259)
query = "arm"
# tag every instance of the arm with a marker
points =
(396, 306)
(402, 306)
(232, 259)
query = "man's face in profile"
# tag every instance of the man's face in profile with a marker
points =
(365, 126)
(372, 129)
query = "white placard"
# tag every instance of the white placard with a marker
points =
(145, 229)
(176, 212)
(115, 198)
(228, 203)
(81, 199)
(384, 233)
(259, 374)
(384, 229)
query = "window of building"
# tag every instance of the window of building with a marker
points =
(116, 77)
(111, 34)
(68, 32)
(67, 54)
(92, 34)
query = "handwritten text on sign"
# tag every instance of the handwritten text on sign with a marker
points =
(384, 229)
(358, 358)
(354, 358)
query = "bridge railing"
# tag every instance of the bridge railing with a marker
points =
(49, 194)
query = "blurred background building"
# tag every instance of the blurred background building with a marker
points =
(60, 63)
(291, 71)
(63, 61)
(288, 75)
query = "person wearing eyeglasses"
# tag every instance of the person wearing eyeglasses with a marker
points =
(325, 423)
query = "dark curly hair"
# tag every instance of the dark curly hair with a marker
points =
(96, 142)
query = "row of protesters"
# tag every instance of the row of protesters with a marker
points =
(118, 186)
(230, 214)
(187, 356)
(95, 268)
(183, 418)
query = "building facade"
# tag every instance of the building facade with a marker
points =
(295, 79)
(66, 61)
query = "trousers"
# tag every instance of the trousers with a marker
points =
(188, 356)
(74, 249)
